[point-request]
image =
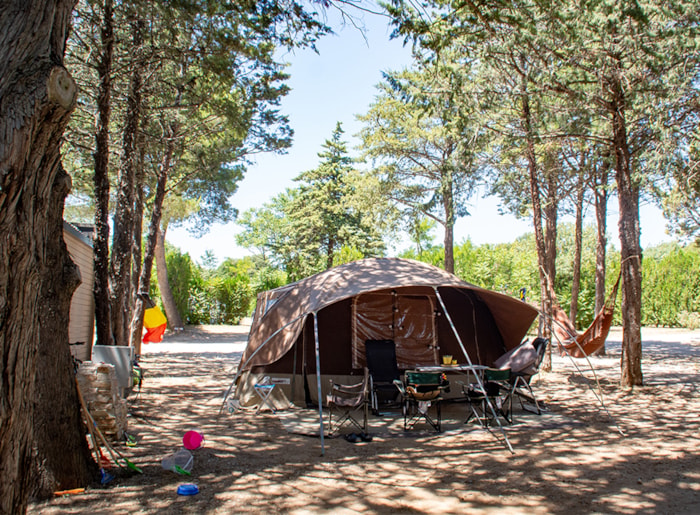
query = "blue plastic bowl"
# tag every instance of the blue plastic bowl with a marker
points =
(187, 489)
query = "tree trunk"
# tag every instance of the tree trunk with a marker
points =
(67, 463)
(578, 243)
(137, 232)
(103, 325)
(551, 212)
(166, 294)
(545, 323)
(145, 279)
(37, 278)
(120, 265)
(448, 200)
(330, 246)
(601, 214)
(630, 249)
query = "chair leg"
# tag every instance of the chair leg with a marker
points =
(347, 417)
(413, 414)
(474, 412)
(439, 415)
(330, 421)
(507, 407)
(529, 397)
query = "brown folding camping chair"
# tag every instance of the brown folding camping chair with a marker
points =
(348, 401)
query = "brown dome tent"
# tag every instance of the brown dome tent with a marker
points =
(425, 310)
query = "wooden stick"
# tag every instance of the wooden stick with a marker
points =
(111, 450)
(91, 427)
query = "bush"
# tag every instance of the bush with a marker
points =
(223, 296)
(180, 277)
(689, 320)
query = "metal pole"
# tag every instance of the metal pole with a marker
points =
(478, 379)
(242, 366)
(318, 385)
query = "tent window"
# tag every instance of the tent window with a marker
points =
(269, 304)
(409, 320)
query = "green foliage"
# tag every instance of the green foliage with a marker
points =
(180, 276)
(267, 278)
(208, 295)
(671, 276)
(221, 296)
(329, 218)
(670, 287)
(424, 140)
(671, 279)
(212, 79)
(504, 267)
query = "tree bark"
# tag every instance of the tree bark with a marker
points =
(166, 294)
(37, 277)
(137, 233)
(330, 252)
(578, 243)
(120, 264)
(601, 214)
(64, 464)
(545, 323)
(551, 212)
(630, 248)
(448, 199)
(145, 279)
(103, 325)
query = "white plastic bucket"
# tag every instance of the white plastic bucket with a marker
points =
(182, 459)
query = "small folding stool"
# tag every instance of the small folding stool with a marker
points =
(264, 389)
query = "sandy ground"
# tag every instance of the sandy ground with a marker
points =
(641, 456)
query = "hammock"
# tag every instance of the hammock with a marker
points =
(593, 338)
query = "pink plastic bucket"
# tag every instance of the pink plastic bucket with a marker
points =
(192, 440)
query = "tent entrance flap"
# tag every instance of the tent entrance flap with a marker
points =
(406, 318)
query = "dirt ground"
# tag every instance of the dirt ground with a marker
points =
(571, 459)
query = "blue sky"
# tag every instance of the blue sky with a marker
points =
(334, 86)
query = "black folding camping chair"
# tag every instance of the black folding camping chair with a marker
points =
(383, 371)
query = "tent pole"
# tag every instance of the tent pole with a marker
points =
(478, 378)
(318, 385)
(241, 367)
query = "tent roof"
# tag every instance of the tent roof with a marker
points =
(289, 305)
